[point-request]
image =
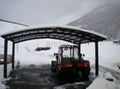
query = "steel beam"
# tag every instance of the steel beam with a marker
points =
(5, 58)
(96, 59)
(80, 50)
(13, 55)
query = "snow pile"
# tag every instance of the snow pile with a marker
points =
(108, 76)
(105, 81)
(2, 80)
(2, 86)
(109, 58)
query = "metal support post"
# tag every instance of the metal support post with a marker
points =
(13, 55)
(96, 59)
(80, 50)
(5, 57)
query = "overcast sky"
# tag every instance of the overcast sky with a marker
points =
(39, 12)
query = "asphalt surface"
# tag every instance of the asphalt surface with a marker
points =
(41, 77)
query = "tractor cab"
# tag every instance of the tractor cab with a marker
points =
(69, 59)
(70, 53)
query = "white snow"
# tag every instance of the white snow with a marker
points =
(2, 86)
(109, 58)
(105, 81)
(26, 54)
(55, 26)
(2, 80)
(108, 76)
(101, 83)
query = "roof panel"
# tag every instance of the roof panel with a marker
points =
(66, 33)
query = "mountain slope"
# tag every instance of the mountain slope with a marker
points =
(104, 19)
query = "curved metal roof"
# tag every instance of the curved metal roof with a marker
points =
(66, 33)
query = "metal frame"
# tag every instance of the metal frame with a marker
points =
(96, 58)
(13, 55)
(61, 33)
(5, 58)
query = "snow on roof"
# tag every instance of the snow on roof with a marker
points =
(55, 26)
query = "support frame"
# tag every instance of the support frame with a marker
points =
(13, 56)
(96, 59)
(5, 57)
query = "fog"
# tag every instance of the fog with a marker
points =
(39, 12)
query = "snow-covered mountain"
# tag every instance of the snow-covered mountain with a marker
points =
(104, 19)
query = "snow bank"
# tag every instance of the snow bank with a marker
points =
(108, 76)
(102, 82)
(2, 80)
(2, 86)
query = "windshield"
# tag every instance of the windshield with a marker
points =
(70, 53)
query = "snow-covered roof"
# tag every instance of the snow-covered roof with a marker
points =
(54, 27)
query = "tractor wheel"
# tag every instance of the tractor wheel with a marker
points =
(53, 69)
(85, 74)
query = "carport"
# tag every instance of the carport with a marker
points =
(66, 33)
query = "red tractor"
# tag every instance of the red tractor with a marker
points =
(69, 60)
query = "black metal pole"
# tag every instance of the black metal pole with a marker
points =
(5, 57)
(96, 59)
(13, 55)
(80, 50)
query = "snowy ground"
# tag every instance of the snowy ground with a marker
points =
(106, 81)
(2, 80)
(2, 86)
